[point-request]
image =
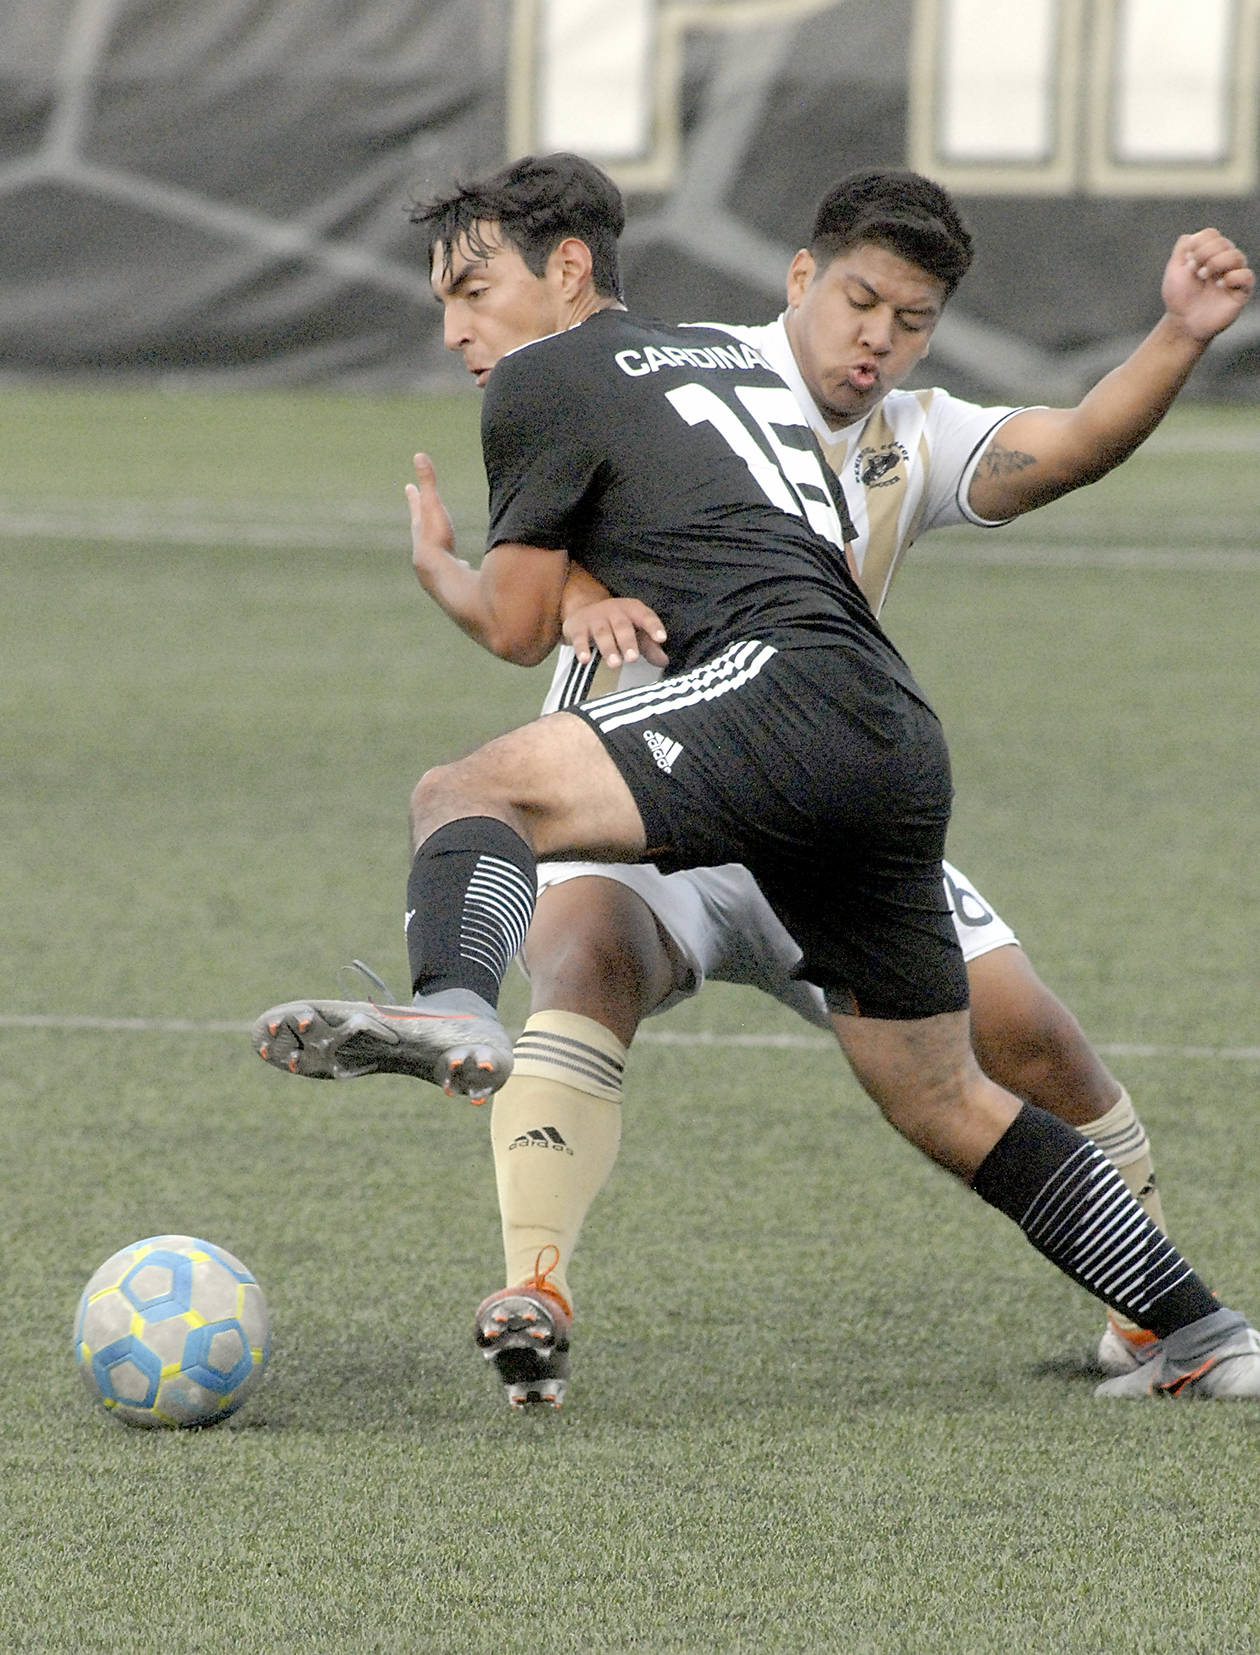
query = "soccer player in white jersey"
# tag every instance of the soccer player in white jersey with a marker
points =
(610, 945)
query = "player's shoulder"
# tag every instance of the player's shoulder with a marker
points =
(937, 406)
(937, 418)
(756, 334)
(609, 347)
(930, 404)
(603, 339)
(748, 346)
(525, 380)
(684, 345)
(535, 358)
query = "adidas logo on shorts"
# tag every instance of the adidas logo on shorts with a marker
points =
(664, 751)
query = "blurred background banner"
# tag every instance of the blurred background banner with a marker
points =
(220, 192)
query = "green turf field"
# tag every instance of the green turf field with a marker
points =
(823, 1399)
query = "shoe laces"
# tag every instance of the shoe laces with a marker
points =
(539, 1281)
(378, 983)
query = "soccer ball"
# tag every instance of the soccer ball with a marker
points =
(171, 1331)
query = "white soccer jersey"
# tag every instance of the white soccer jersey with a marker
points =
(905, 468)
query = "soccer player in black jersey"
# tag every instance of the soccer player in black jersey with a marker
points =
(789, 736)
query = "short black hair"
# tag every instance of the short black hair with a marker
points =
(537, 202)
(900, 210)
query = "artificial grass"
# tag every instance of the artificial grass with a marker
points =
(822, 1397)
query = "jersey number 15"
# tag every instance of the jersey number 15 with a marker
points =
(791, 478)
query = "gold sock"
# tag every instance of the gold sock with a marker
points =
(1122, 1138)
(555, 1130)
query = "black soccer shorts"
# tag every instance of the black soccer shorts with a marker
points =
(831, 783)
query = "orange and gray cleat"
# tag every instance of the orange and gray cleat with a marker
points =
(453, 1039)
(1217, 1358)
(1121, 1348)
(524, 1331)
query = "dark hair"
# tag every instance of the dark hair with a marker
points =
(902, 211)
(536, 203)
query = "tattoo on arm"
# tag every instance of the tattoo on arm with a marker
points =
(1001, 462)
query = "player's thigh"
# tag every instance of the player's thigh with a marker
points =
(551, 780)
(596, 948)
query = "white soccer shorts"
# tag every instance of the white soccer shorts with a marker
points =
(721, 927)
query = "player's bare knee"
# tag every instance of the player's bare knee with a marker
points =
(594, 979)
(1028, 1041)
(928, 1085)
(595, 948)
(449, 792)
(432, 800)
(1046, 1060)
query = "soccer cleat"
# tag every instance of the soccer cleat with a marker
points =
(1217, 1357)
(524, 1331)
(1121, 1349)
(453, 1039)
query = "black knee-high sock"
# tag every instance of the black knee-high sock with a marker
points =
(1074, 1207)
(470, 898)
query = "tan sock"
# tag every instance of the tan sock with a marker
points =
(1122, 1138)
(555, 1130)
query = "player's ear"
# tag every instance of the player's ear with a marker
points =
(572, 264)
(800, 274)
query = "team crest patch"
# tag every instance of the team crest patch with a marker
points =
(881, 467)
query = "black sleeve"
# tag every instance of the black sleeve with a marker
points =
(540, 465)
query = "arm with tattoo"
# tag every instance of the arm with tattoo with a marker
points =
(1041, 453)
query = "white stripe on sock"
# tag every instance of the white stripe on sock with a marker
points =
(498, 906)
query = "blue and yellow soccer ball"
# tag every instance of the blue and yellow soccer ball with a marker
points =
(171, 1331)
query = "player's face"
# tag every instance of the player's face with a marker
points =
(858, 325)
(492, 301)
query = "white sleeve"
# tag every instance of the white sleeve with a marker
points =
(957, 434)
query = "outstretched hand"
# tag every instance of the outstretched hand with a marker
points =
(1207, 282)
(432, 533)
(621, 629)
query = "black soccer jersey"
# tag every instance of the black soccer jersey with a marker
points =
(676, 466)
